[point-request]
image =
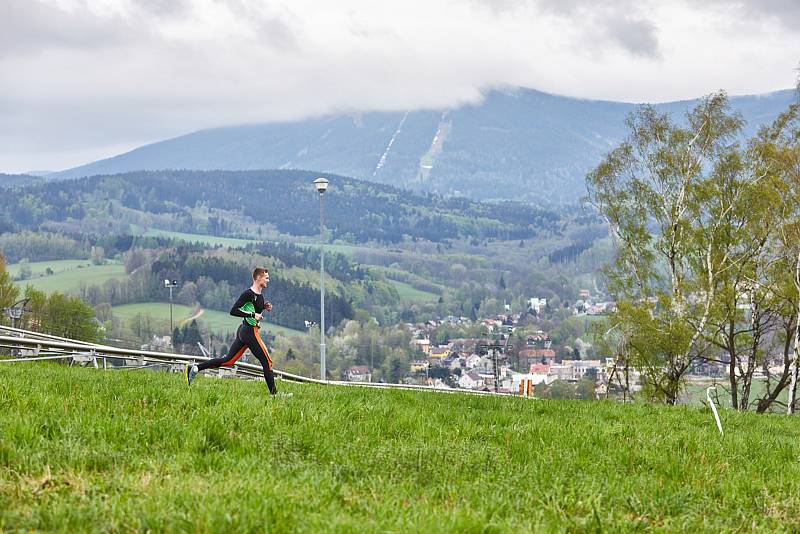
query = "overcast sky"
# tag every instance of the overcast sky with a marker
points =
(86, 79)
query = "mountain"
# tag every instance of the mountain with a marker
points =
(520, 144)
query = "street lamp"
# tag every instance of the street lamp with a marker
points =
(170, 284)
(322, 185)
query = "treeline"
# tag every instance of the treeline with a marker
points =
(355, 211)
(44, 246)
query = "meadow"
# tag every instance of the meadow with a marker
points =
(408, 293)
(87, 450)
(238, 242)
(68, 275)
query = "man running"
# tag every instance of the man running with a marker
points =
(249, 307)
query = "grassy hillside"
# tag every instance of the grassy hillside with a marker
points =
(69, 275)
(83, 450)
(409, 293)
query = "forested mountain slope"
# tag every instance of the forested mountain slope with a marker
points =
(515, 144)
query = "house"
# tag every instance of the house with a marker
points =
(419, 366)
(422, 344)
(472, 361)
(583, 293)
(528, 357)
(540, 368)
(442, 351)
(574, 370)
(359, 373)
(538, 340)
(470, 381)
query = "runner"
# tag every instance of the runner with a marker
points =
(249, 307)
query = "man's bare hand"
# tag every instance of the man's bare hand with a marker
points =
(258, 317)
(268, 306)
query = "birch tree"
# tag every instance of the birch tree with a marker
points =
(660, 192)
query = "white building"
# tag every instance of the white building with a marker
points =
(537, 305)
(470, 381)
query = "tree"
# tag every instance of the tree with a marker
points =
(24, 272)
(675, 198)
(8, 291)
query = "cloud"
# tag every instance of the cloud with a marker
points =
(30, 26)
(81, 75)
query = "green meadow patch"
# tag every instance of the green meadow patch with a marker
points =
(68, 275)
(409, 293)
(86, 450)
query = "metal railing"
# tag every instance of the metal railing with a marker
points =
(34, 346)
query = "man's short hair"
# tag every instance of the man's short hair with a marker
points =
(258, 271)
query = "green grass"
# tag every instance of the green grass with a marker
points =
(70, 274)
(411, 294)
(88, 450)
(211, 320)
(38, 268)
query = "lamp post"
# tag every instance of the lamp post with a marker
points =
(170, 284)
(322, 185)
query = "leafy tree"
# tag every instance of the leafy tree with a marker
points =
(675, 198)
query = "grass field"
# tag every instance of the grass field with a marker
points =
(211, 320)
(69, 275)
(411, 294)
(88, 450)
(236, 242)
(199, 238)
(38, 268)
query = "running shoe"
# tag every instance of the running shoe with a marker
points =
(191, 372)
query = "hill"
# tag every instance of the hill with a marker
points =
(222, 202)
(135, 451)
(515, 144)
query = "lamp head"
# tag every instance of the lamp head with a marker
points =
(321, 184)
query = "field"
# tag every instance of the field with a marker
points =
(68, 275)
(87, 450)
(214, 321)
(411, 294)
(236, 242)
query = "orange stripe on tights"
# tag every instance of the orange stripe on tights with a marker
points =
(263, 347)
(235, 357)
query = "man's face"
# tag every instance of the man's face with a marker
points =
(263, 280)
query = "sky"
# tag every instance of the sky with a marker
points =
(82, 80)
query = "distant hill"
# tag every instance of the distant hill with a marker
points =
(520, 144)
(11, 180)
(215, 202)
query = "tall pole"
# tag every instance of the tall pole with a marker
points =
(322, 289)
(170, 312)
(321, 184)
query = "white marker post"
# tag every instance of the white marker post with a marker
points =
(714, 408)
